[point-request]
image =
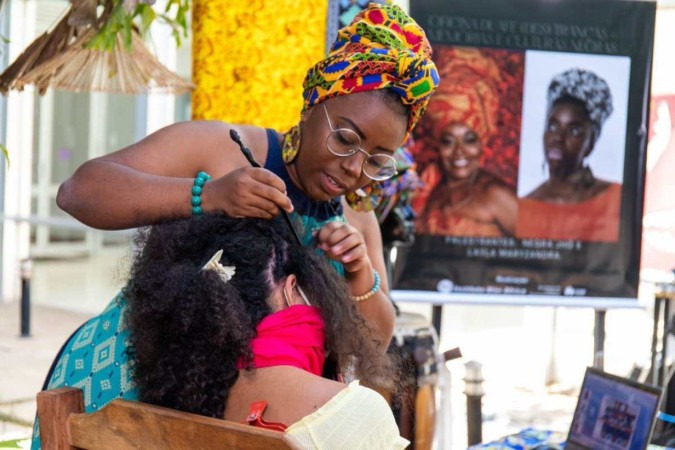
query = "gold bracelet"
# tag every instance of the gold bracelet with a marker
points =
(372, 291)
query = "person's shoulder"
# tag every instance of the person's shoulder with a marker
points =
(604, 187)
(537, 193)
(360, 416)
(215, 135)
(495, 188)
(316, 389)
(257, 139)
(337, 398)
(211, 125)
(205, 133)
(216, 129)
(605, 184)
(361, 220)
(370, 397)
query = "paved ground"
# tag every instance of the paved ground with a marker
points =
(24, 361)
(516, 346)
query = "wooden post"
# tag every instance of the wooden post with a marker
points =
(54, 407)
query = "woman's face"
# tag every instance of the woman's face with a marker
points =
(460, 150)
(323, 175)
(568, 137)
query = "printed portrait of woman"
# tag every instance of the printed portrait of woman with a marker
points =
(466, 145)
(573, 203)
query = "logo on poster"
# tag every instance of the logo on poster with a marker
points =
(445, 286)
(571, 290)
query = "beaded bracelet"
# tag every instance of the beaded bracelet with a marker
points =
(372, 291)
(197, 188)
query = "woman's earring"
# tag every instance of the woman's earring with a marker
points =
(291, 144)
(365, 199)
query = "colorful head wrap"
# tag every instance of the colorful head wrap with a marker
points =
(586, 87)
(382, 48)
(468, 94)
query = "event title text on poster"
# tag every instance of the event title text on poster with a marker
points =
(483, 32)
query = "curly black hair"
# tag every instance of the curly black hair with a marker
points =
(189, 328)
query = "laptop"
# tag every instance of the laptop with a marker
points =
(613, 413)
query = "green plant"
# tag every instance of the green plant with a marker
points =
(122, 16)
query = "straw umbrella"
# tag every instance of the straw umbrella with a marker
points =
(65, 58)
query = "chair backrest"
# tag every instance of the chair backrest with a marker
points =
(132, 425)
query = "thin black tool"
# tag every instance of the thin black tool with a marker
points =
(249, 157)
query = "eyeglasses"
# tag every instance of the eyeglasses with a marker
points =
(345, 142)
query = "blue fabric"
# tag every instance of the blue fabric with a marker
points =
(526, 439)
(308, 215)
(95, 358)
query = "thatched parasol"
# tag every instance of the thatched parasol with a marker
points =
(60, 58)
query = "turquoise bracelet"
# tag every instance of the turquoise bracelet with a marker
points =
(372, 291)
(197, 188)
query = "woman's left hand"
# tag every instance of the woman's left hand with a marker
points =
(345, 244)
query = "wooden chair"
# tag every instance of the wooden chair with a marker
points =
(134, 425)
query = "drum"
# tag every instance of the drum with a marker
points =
(416, 341)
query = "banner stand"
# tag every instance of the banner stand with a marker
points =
(600, 306)
(440, 298)
(512, 216)
(599, 339)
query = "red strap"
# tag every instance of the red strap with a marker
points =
(255, 418)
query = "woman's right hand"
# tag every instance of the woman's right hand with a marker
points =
(151, 181)
(247, 192)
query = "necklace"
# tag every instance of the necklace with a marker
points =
(469, 185)
(575, 188)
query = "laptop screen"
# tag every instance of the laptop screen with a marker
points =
(613, 413)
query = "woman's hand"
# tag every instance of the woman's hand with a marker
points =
(247, 192)
(345, 244)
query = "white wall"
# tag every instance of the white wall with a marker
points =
(663, 75)
(17, 188)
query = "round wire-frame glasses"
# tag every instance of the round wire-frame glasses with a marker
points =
(345, 142)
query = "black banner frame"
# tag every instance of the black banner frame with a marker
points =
(601, 27)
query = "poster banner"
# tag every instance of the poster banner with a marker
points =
(532, 151)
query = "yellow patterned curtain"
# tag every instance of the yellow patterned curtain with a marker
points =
(250, 57)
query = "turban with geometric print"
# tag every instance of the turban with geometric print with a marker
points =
(468, 93)
(383, 48)
(585, 86)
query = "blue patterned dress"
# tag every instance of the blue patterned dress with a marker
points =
(95, 357)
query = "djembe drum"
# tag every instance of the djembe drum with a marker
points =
(416, 341)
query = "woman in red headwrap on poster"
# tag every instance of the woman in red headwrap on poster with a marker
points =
(460, 197)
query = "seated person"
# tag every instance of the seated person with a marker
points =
(227, 312)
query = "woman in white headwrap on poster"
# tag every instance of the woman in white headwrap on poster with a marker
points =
(573, 204)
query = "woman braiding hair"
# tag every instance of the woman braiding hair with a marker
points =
(361, 102)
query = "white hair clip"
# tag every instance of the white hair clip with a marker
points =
(224, 272)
